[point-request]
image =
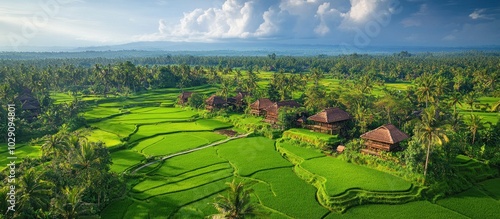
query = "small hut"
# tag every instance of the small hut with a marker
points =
(258, 107)
(215, 102)
(329, 120)
(29, 104)
(184, 97)
(272, 112)
(383, 138)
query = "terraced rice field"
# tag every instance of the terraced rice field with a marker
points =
(184, 186)
(21, 151)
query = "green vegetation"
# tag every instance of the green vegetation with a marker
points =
(251, 155)
(472, 203)
(365, 178)
(176, 142)
(319, 140)
(448, 168)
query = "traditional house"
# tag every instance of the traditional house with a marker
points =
(383, 138)
(240, 99)
(183, 98)
(258, 107)
(272, 112)
(329, 120)
(214, 102)
(29, 104)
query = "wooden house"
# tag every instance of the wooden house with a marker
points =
(272, 112)
(258, 107)
(383, 138)
(183, 98)
(329, 120)
(214, 102)
(29, 104)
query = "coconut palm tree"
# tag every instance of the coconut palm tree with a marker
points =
(474, 123)
(429, 132)
(237, 203)
(70, 204)
(426, 89)
(34, 192)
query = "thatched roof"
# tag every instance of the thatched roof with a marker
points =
(261, 103)
(330, 115)
(287, 103)
(239, 97)
(28, 101)
(387, 134)
(185, 95)
(215, 100)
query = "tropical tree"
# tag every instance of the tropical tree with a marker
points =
(69, 204)
(429, 132)
(474, 124)
(34, 193)
(237, 203)
(426, 88)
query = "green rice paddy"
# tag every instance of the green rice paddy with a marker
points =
(184, 186)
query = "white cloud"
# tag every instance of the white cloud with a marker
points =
(479, 14)
(271, 19)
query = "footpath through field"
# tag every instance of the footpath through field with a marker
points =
(191, 150)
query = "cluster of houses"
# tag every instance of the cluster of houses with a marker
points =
(329, 120)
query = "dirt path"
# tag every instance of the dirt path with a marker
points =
(189, 151)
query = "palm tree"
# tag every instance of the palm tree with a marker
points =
(475, 123)
(429, 132)
(70, 204)
(237, 203)
(34, 192)
(496, 106)
(470, 99)
(425, 88)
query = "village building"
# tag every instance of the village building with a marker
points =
(215, 102)
(272, 112)
(258, 107)
(184, 97)
(240, 99)
(383, 138)
(329, 120)
(29, 104)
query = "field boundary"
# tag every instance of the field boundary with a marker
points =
(352, 196)
(190, 151)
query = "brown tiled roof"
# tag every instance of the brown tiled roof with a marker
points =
(185, 95)
(215, 100)
(330, 115)
(387, 133)
(289, 103)
(261, 103)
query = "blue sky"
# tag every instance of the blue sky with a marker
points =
(79, 23)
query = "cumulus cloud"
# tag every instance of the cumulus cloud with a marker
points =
(272, 19)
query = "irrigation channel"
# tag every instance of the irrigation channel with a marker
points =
(190, 150)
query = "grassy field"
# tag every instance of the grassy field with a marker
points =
(146, 131)
(251, 155)
(473, 203)
(124, 159)
(332, 170)
(418, 209)
(176, 142)
(21, 151)
(108, 138)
